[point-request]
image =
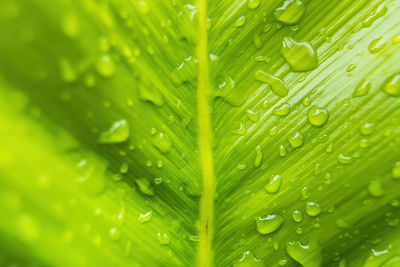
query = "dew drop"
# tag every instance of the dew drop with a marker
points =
(282, 151)
(290, 12)
(296, 140)
(145, 217)
(362, 88)
(391, 85)
(163, 238)
(253, 116)
(300, 56)
(274, 184)
(375, 188)
(252, 4)
(376, 45)
(152, 95)
(374, 15)
(282, 110)
(114, 233)
(345, 160)
(105, 66)
(162, 142)
(273, 131)
(241, 131)
(259, 157)
(313, 209)
(396, 170)
(277, 85)
(307, 102)
(68, 72)
(367, 128)
(240, 22)
(145, 186)
(269, 224)
(317, 116)
(257, 41)
(342, 224)
(297, 216)
(117, 133)
(309, 255)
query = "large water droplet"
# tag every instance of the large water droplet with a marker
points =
(300, 56)
(252, 4)
(259, 156)
(282, 110)
(374, 15)
(396, 170)
(151, 94)
(313, 209)
(269, 224)
(105, 66)
(367, 128)
(317, 116)
(296, 140)
(162, 143)
(145, 186)
(391, 85)
(362, 88)
(309, 255)
(145, 217)
(297, 216)
(277, 85)
(274, 184)
(118, 132)
(376, 45)
(163, 238)
(375, 188)
(290, 12)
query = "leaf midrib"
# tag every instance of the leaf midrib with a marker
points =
(204, 254)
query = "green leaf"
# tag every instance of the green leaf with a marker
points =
(208, 133)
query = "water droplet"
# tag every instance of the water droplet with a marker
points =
(391, 85)
(124, 167)
(313, 209)
(253, 116)
(317, 116)
(145, 186)
(259, 156)
(362, 88)
(396, 170)
(297, 216)
(375, 188)
(374, 15)
(342, 159)
(396, 38)
(329, 148)
(309, 255)
(269, 224)
(240, 22)
(105, 66)
(145, 217)
(376, 45)
(342, 224)
(252, 4)
(274, 184)
(71, 25)
(296, 140)
(351, 67)
(290, 12)
(273, 131)
(114, 233)
(277, 85)
(28, 228)
(162, 143)
(241, 131)
(282, 110)
(299, 231)
(257, 42)
(163, 238)
(300, 56)
(307, 102)
(282, 151)
(142, 6)
(367, 128)
(152, 95)
(117, 133)
(68, 72)
(248, 259)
